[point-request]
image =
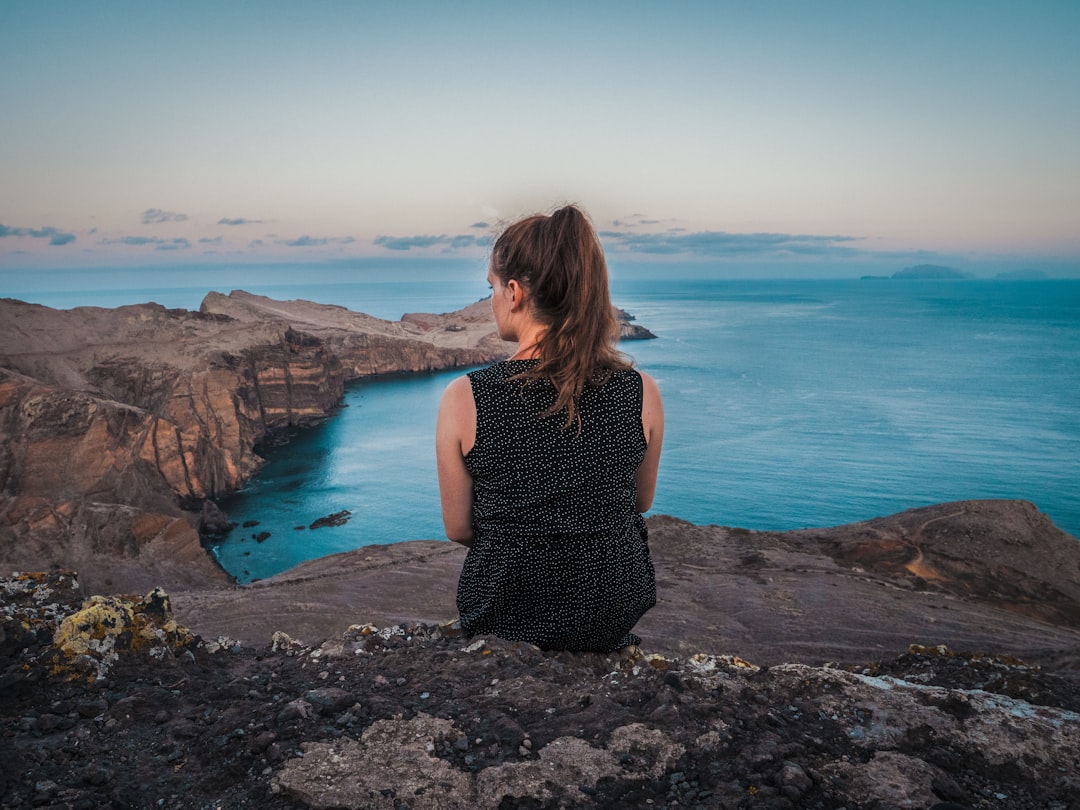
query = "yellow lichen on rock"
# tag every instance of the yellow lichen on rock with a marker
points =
(90, 640)
(98, 624)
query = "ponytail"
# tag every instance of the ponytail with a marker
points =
(559, 260)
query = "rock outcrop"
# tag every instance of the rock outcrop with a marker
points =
(365, 345)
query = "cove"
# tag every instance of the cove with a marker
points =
(374, 458)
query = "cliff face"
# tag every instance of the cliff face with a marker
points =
(135, 427)
(156, 410)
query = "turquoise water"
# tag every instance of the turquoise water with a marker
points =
(789, 404)
(796, 404)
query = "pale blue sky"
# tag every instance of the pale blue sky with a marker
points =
(845, 133)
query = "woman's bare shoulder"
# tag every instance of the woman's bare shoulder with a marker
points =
(648, 384)
(459, 387)
(458, 395)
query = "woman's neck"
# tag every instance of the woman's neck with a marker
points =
(528, 344)
(525, 353)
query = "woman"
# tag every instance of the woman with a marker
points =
(546, 460)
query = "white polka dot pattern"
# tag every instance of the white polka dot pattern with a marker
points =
(560, 557)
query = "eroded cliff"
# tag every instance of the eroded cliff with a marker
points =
(118, 424)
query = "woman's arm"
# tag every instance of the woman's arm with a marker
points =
(652, 422)
(455, 433)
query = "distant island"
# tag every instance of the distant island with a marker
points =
(922, 271)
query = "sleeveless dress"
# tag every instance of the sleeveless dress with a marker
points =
(560, 556)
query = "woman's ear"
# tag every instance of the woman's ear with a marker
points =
(517, 294)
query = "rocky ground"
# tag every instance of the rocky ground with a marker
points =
(110, 703)
(989, 576)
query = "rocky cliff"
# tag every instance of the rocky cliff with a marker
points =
(875, 665)
(118, 425)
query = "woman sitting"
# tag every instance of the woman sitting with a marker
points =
(547, 460)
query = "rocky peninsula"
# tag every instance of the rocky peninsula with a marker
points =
(120, 426)
(925, 659)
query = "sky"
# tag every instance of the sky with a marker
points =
(738, 137)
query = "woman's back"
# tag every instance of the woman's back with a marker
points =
(560, 557)
(532, 477)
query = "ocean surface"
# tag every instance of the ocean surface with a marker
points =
(789, 404)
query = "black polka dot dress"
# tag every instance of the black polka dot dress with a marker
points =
(560, 556)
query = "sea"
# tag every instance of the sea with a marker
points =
(789, 404)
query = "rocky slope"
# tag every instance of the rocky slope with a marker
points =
(1005, 581)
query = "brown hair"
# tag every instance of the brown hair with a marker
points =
(559, 261)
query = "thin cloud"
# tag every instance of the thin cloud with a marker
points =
(481, 225)
(312, 241)
(238, 221)
(132, 240)
(207, 240)
(155, 216)
(305, 241)
(409, 242)
(637, 220)
(722, 243)
(156, 241)
(55, 237)
(424, 241)
(174, 244)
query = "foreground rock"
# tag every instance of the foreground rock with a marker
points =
(415, 716)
